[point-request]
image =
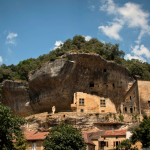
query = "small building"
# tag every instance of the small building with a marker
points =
(108, 139)
(35, 140)
(88, 141)
(87, 103)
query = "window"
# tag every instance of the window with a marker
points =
(34, 146)
(131, 110)
(149, 103)
(81, 101)
(82, 110)
(125, 109)
(105, 70)
(91, 84)
(130, 98)
(113, 85)
(102, 103)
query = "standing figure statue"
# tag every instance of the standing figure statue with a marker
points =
(53, 109)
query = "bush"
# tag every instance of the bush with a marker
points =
(121, 118)
(64, 137)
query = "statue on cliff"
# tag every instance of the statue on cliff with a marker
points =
(53, 109)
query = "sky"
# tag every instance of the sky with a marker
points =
(30, 28)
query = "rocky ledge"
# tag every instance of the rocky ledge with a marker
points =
(55, 83)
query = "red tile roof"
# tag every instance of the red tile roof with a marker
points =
(27, 134)
(38, 136)
(115, 133)
(86, 138)
(95, 135)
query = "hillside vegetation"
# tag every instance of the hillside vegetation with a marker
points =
(78, 43)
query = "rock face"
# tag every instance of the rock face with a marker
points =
(87, 122)
(55, 83)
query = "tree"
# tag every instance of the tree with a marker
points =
(9, 127)
(125, 144)
(142, 132)
(21, 143)
(64, 137)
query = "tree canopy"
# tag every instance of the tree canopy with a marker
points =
(78, 43)
(125, 144)
(142, 132)
(64, 137)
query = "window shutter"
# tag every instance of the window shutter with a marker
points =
(114, 144)
(119, 142)
(99, 143)
(107, 143)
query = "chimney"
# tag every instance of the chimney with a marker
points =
(112, 130)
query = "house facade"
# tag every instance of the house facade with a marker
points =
(87, 103)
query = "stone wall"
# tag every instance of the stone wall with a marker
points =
(131, 104)
(144, 96)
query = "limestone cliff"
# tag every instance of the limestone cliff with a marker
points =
(55, 83)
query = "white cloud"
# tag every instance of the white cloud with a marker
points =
(1, 59)
(10, 38)
(9, 51)
(130, 14)
(87, 38)
(11, 35)
(141, 50)
(92, 7)
(112, 31)
(128, 56)
(103, 41)
(57, 44)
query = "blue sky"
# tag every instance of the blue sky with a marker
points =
(30, 28)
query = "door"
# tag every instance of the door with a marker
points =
(34, 146)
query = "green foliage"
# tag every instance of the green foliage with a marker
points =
(21, 143)
(142, 132)
(108, 51)
(110, 114)
(31, 119)
(90, 114)
(134, 117)
(121, 117)
(28, 114)
(125, 144)
(64, 137)
(107, 117)
(9, 127)
(114, 116)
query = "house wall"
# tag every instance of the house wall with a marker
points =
(92, 104)
(144, 96)
(96, 144)
(90, 147)
(110, 140)
(131, 104)
(38, 145)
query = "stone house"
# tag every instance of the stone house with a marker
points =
(108, 139)
(88, 103)
(35, 140)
